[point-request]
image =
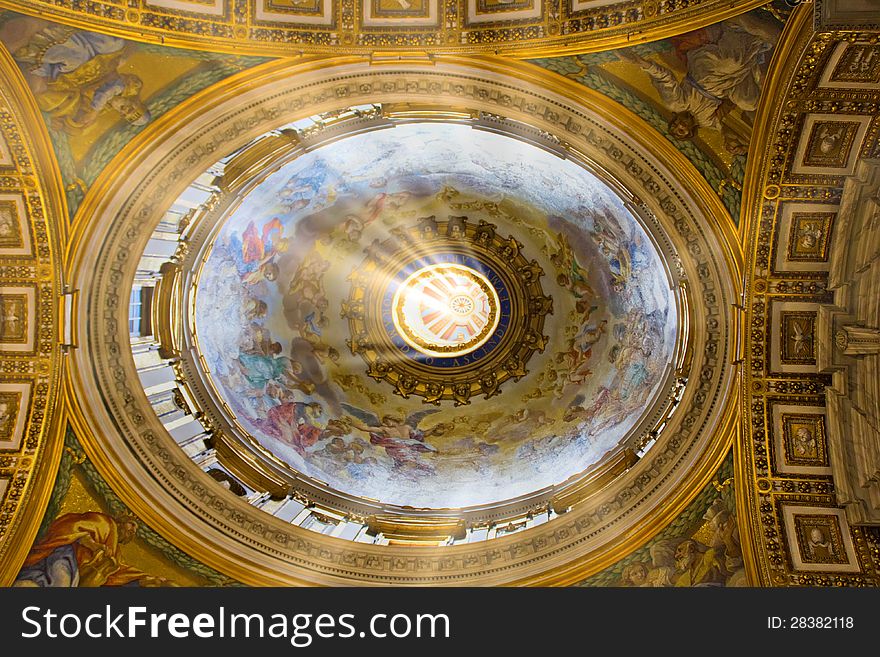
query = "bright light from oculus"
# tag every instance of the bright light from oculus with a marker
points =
(445, 310)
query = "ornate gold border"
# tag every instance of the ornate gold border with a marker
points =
(407, 331)
(566, 32)
(37, 466)
(791, 91)
(786, 52)
(148, 497)
(776, 82)
(782, 65)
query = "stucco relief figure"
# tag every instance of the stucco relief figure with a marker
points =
(820, 547)
(10, 231)
(809, 236)
(12, 318)
(863, 63)
(84, 549)
(801, 339)
(829, 140)
(804, 442)
(75, 77)
(8, 413)
(725, 68)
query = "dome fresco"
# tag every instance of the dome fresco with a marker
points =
(273, 316)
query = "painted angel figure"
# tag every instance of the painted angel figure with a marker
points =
(403, 441)
(303, 188)
(256, 246)
(260, 250)
(383, 202)
(297, 424)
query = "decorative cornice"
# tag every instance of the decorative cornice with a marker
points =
(255, 27)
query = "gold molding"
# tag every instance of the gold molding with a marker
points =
(241, 462)
(416, 531)
(622, 118)
(785, 54)
(576, 572)
(479, 373)
(614, 467)
(782, 64)
(165, 322)
(147, 499)
(39, 140)
(793, 91)
(570, 33)
(36, 465)
(192, 372)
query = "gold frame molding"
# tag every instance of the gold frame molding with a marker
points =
(792, 92)
(31, 468)
(243, 32)
(163, 487)
(473, 378)
(259, 468)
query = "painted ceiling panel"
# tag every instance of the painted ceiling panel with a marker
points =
(98, 91)
(284, 263)
(699, 89)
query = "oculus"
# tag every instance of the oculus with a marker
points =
(447, 310)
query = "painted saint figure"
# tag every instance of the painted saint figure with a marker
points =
(724, 72)
(84, 549)
(260, 251)
(76, 77)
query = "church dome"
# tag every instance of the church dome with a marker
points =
(434, 316)
(486, 327)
